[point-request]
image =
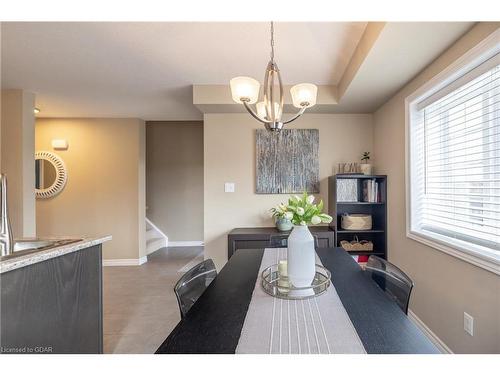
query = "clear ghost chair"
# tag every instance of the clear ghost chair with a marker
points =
(278, 240)
(193, 283)
(392, 280)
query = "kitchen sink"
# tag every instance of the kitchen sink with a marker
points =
(20, 245)
(29, 246)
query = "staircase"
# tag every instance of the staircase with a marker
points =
(155, 238)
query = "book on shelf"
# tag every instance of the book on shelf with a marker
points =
(371, 191)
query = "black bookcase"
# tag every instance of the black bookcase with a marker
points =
(357, 205)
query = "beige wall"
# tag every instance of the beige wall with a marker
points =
(445, 285)
(230, 157)
(17, 158)
(174, 182)
(105, 188)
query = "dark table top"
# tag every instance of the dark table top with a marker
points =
(214, 323)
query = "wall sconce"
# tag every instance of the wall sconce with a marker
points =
(59, 144)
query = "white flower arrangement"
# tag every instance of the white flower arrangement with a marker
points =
(302, 211)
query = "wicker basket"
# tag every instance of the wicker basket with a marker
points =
(356, 222)
(357, 245)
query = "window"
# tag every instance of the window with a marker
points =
(454, 163)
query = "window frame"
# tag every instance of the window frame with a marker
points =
(468, 252)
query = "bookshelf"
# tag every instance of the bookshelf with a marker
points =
(346, 195)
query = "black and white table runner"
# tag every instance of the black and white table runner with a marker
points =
(317, 325)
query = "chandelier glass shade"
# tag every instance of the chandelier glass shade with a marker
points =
(245, 88)
(269, 110)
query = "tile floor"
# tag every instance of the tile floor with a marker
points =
(140, 308)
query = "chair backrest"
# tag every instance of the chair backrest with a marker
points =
(281, 240)
(193, 283)
(278, 240)
(392, 280)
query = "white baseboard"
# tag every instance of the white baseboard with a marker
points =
(154, 248)
(428, 332)
(124, 262)
(184, 243)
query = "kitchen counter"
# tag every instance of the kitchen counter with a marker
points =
(41, 255)
(51, 298)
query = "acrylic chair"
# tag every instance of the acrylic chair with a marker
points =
(278, 240)
(392, 280)
(281, 240)
(193, 283)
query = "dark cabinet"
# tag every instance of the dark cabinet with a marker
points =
(54, 306)
(258, 238)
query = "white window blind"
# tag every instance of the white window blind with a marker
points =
(455, 162)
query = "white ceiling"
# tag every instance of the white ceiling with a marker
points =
(146, 70)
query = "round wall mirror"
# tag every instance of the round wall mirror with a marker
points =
(50, 174)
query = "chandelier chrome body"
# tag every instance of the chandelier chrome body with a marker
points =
(269, 111)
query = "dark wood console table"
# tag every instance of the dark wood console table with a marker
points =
(255, 238)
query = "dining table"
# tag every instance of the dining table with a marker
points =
(220, 319)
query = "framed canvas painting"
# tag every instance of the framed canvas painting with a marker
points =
(287, 162)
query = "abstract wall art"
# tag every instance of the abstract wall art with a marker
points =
(287, 162)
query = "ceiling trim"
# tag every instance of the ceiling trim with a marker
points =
(217, 99)
(367, 41)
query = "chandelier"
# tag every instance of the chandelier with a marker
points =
(269, 110)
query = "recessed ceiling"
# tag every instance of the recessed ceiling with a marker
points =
(147, 70)
(400, 52)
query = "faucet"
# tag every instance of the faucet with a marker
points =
(6, 240)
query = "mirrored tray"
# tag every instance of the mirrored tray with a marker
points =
(278, 285)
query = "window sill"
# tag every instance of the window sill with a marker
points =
(488, 262)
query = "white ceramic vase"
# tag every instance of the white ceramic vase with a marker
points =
(301, 257)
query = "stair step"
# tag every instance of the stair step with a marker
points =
(151, 233)
(153, 240)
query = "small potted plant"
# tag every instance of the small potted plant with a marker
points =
(365, 166)
(282, 217)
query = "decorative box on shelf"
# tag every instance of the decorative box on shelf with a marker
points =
(357, 245)
(356, 221)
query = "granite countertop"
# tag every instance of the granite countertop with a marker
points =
(32, 257)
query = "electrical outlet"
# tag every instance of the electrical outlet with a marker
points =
(229, 187)
(468, 324)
